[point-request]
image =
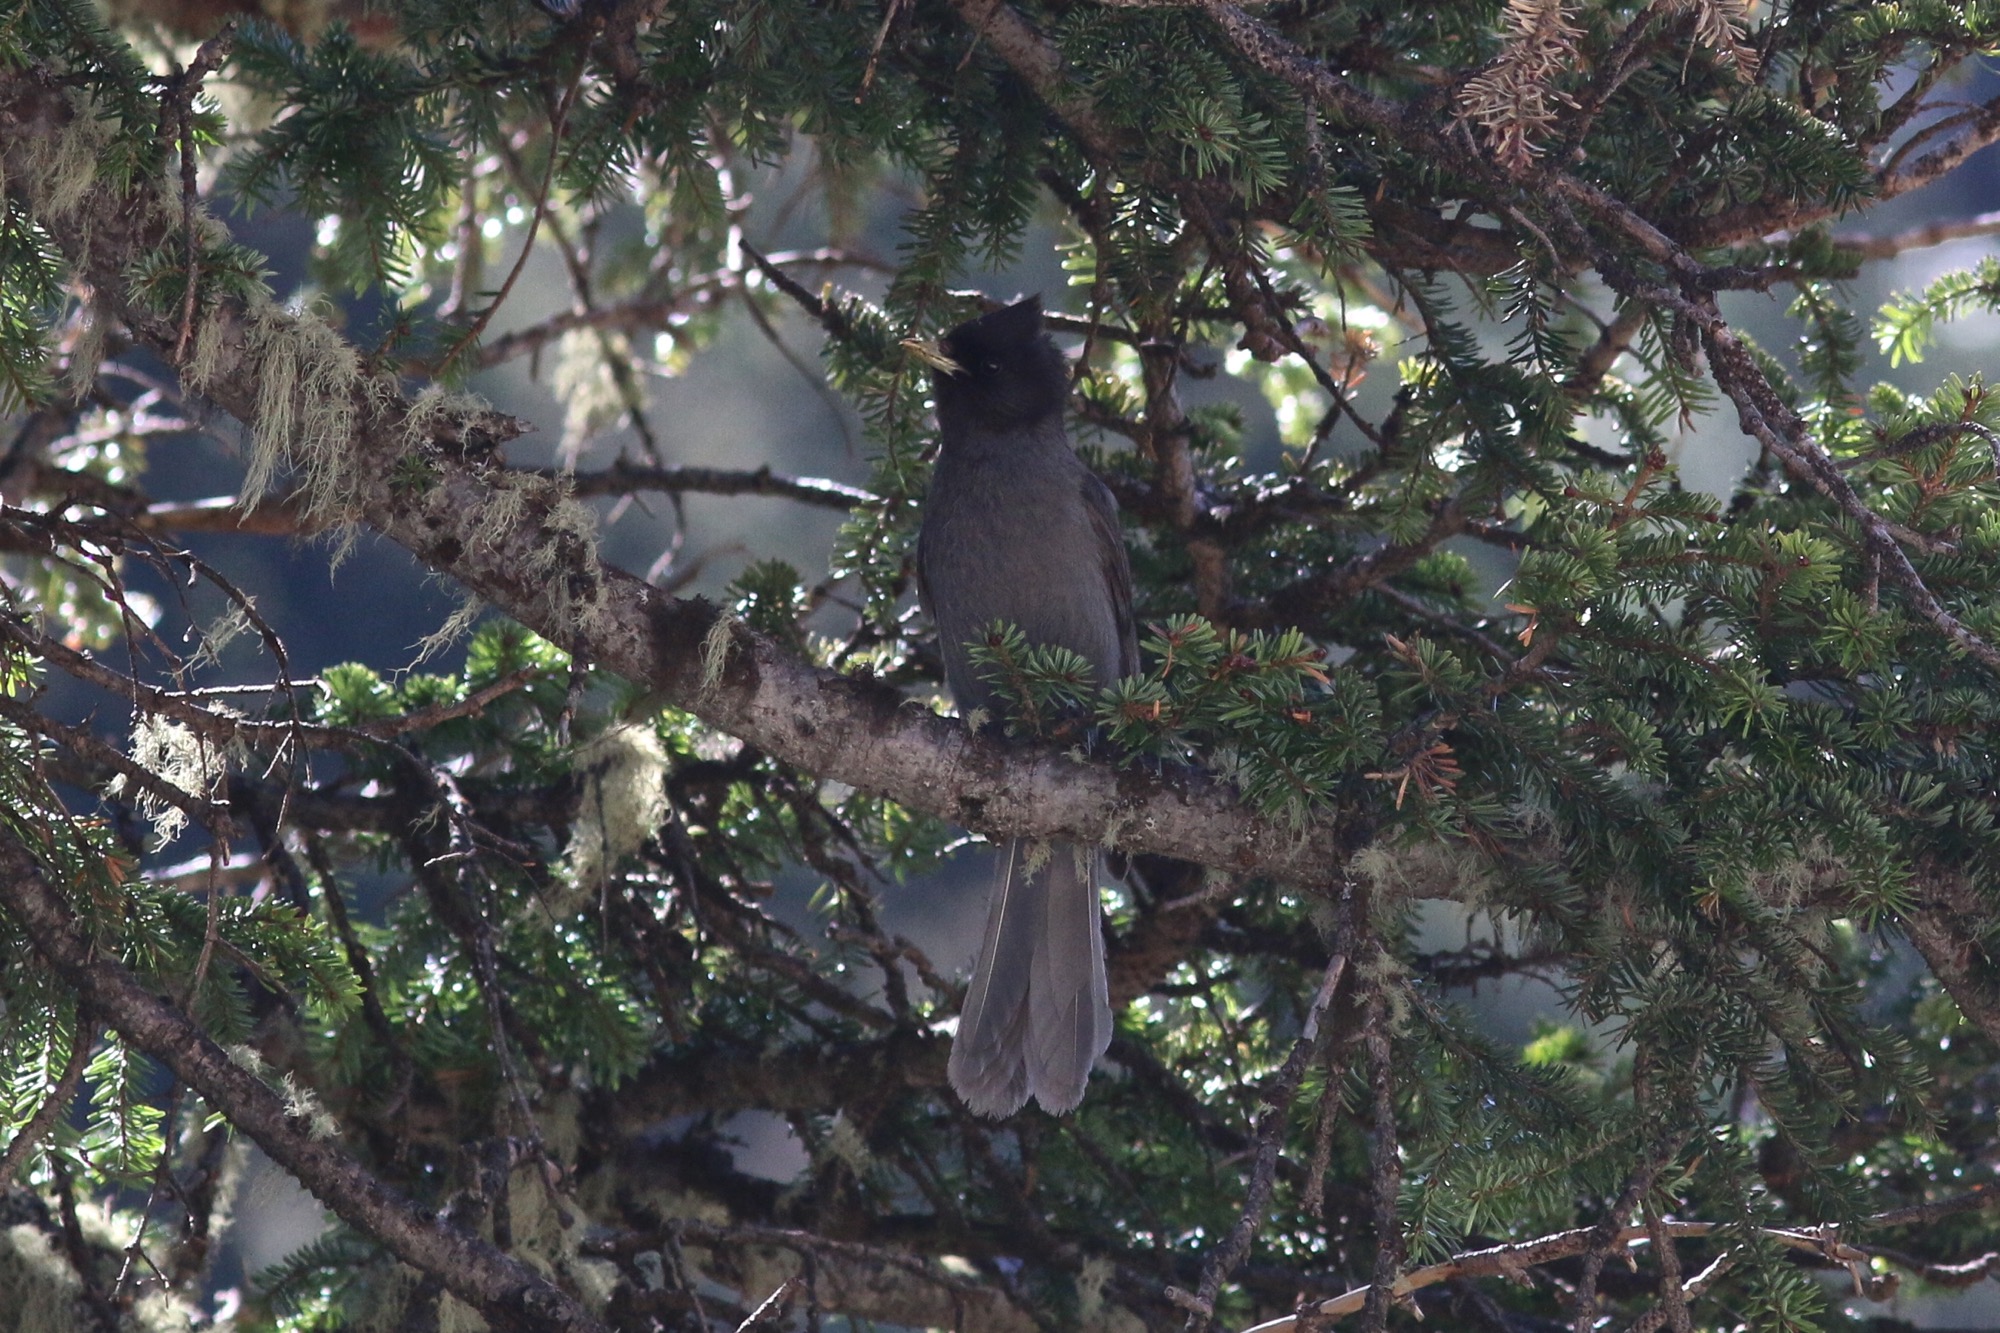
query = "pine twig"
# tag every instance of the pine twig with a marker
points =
(179, 109)
(1509, 1260)
(55, 1105)
(772, 1311)
(1386, 1166)
(485, 317)
(1673, 1294)
(1270, 1137)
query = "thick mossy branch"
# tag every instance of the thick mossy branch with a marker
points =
(525, 545)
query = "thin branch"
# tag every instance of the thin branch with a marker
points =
(1920, 238)
(1508, 1261)
(624, 478)
(425, 718)
(869, 1281)
(1385, 1160)
(272, 516)
(485, 317)
(1976, 129)
(222, 728)
(775, 1309)
(54, 1106)
(1271, 1124)
(510, 1294)
(1923, 1214)
(178, 113)
(829, 315)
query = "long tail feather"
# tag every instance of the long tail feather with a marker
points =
(1036, 1015)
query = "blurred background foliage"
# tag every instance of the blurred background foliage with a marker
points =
(1669, 935)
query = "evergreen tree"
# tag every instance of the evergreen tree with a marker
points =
(486, 958)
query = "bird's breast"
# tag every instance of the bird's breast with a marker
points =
(1014, 544)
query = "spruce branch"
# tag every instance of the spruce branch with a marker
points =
(508, 1293)
(1940, 925)
(625, 478)
(1605, 1237)
(1673, 1308)
(1385, 1164)
(1273, 1119)
(1766, 417)
(176, 115)
(1731, 226)
(1942, 232)
(1761, 412)
(57, 1104)
(1510, 1260)
(77, 1251)
(513, 540)
(277, 516)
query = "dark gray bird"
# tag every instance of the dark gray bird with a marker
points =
(1016, 528)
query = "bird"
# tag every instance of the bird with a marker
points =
(1017, 528)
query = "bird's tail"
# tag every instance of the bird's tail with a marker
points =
(1037, 1014)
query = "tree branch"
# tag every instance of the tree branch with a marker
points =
(55, 1106)
(511, 1295)
(1762, 414)
(1920, 238)
(523, 544)
(1509, 1260)
(623, 478)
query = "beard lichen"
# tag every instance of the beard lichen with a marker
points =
(61, 168)
(455, 627)
(1429, 868)
(179, 756)
(40, 1289)
(218, 634)
(715, 652)
(86, 353)
(624, 776)
(571, 540)
(561, 565)
(306, 408)
(435, 408)
(1814, 873)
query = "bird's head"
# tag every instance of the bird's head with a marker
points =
(999, 370)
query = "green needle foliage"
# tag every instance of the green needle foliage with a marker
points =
(1654, 880)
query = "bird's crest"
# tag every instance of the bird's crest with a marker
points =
(1009, 327)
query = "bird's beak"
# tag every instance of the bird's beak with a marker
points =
(927, 351)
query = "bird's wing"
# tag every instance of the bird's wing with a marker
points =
(1103, 510)
(923, 584)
